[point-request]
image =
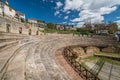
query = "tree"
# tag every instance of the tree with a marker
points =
(88, 26)
(113, 27)
(51, 26)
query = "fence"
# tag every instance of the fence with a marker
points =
(81, 70)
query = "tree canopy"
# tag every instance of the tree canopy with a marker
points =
(51, 26)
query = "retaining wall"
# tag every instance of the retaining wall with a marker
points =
(14, 26)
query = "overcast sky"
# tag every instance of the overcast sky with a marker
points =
(70, 11)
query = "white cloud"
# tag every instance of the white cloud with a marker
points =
(66, 17)
(107, 10)
(118, 17)
(59, 15)
(118, 23)
(56, 13)
(67, 12)
(80, 24)
(59, 4)
(91, 10)
(73, 5)
(64, 22)
(88, 16)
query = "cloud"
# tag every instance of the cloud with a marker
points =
(67, 12)
(80, 24)
(59, 4)
(59, 15)
(64, 22)
(88, 16)
(107, 10)
(91, 10)
(56, 13)
(118, 23)
(66, 17)
(118, 17)
(73, 5)
(88, 10)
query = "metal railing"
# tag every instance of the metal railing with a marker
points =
(79, 68)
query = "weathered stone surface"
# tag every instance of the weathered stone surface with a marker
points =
(78, 51)
(33, 58)
(92, 50)
(110, 49)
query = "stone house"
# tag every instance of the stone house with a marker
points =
(41, 23)
(6, 10)
(36, 23)
(20, 16)
(60, 27)
(33, 22)
(69, 27)
(64, 27)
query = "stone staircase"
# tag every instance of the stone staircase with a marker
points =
(9, 39)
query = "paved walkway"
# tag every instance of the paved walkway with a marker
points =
(34, 58)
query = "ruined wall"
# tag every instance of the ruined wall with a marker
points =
(14, 26)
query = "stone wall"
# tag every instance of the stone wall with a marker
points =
(111, 49)
(14, 26)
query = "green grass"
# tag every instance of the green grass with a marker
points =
(47, 30)
(111, 54)
(93, 58)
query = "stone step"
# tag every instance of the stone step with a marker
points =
(8, 56)
(40, 67)
(52, 68)
(10, 33)
(5, 57)
(17, 72)
(35, 69)
(6, 44)
(9, 39)
(6, 35)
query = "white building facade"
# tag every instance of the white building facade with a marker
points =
(6, 10)
(20, 16)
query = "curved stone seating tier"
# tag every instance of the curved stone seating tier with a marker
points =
(9, 39)
(33, 58)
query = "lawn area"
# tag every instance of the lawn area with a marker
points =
(94, 58)
(110, 54)
(47, 30)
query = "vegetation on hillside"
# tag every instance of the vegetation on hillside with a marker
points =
(111, 27)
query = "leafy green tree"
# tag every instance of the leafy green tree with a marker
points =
(113, 27)
(51, 26)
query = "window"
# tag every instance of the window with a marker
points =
(10, 9)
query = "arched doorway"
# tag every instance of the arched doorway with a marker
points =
(37, 32)
(7, 27)
(20, 30)
(30, 31)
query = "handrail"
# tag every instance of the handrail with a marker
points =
(80, 69)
